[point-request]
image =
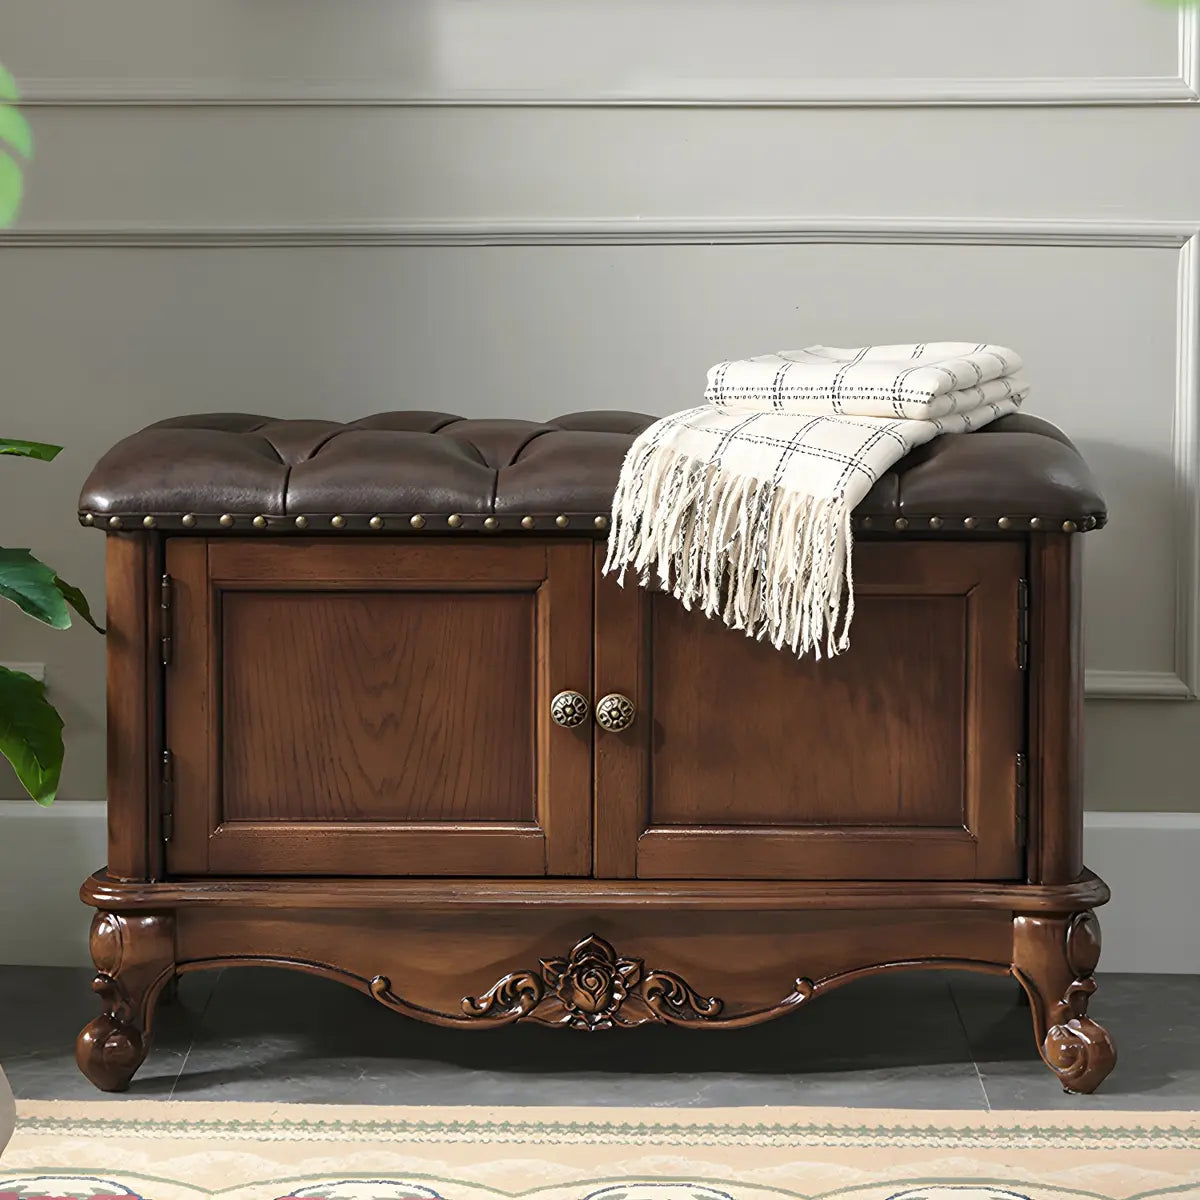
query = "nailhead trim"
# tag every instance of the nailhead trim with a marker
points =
(600, 522)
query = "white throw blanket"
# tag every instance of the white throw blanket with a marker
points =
(742, 506)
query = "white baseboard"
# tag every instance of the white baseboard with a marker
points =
(45, 854)
(1148, 859)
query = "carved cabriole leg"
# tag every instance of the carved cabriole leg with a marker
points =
(1054, 958)
(134, 957)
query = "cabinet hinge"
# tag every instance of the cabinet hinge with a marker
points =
(1023, 623)
(1022, 800)
(166, 629)
(167, 796)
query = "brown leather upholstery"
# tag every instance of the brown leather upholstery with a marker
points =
(417, 470)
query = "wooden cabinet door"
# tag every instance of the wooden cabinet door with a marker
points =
(377, 708)
(896, 760)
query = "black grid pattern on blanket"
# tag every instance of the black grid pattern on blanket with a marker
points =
(742, 506)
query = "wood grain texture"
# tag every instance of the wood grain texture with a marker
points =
(1056, 708)
(1054, 958)
(309, 834)
(750, 960)
(190, 701)
(601, 895)
(371, 706)
(133, 696)
(896, 760)
(745, 734)
(621, 761)
(564, 662)
(135, 958)
(349, 708)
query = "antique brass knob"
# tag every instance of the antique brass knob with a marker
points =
(569, 709)
(615, 712)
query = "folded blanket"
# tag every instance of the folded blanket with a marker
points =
(742, 506)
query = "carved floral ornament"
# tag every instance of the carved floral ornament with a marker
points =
(592, 988)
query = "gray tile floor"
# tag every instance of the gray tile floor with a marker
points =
(924, 1040)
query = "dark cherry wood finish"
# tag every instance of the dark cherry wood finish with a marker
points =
(134, 702)
(896, 760)
(378, 709)
(366, 784)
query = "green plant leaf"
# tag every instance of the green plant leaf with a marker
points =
(32, 586)
(30, 734)
(11, 187)
(78, 601)
(42, 450)
(14, 129)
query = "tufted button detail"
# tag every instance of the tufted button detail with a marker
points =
(457, 472)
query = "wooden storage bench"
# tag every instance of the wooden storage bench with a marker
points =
(375, 714)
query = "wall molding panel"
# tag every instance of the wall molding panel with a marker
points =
(1182, 682)
(1185, 438)
(1177, 87)
(749, 231)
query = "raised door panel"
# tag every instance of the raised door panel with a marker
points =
(897, 759)
(410, 706)
(344, 708)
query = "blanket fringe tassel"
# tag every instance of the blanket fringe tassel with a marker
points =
(772, 563)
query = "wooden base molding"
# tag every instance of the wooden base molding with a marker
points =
(346, 751)
(1054, 960)
(134, 957)
(594, 968)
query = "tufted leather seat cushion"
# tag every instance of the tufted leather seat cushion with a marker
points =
(415, 470)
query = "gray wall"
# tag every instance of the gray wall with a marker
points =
(521, 207)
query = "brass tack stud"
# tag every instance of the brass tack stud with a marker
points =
(562, 520)
(969, 522)
(226, 520)
(490, 522)
(416, 521)
(148, 522)
(1068, 527)
(338, 522)
(114, 522)
(259, 522)
(935, 522)
(1089, 523)
(601, 522)
(1004, 523)
(301, 522)
(901, 522)
(189, 520)
(1035, 522)
(527, 522)
(454, 520)
(87, 518)
(376, 522)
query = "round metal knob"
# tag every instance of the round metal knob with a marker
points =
(569, 709)
(615, 712)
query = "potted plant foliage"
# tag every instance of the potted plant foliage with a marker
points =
(30, 727)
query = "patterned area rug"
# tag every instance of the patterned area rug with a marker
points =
(188, 1151)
